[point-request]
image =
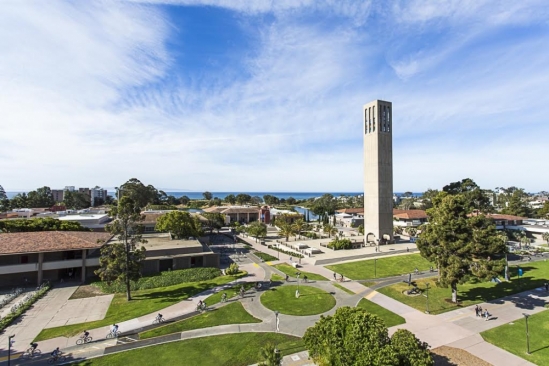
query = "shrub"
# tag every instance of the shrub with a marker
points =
(266, 257)
(232, 270)
(337, 244)
(164, 279)
(293, 254)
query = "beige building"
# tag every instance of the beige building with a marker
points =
(378, 172)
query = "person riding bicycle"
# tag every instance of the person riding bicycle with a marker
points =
(224, 297)
(114, 329)
(159, 317)
(56, 352)
(33, 346)
(85, 335)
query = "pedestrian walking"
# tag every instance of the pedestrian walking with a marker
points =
(546, 284)
(335, 277)
(476, 310)
(480, 311)
(287, 278)
(342, 278)
(290, 259)
(407, 249)
(486, 315)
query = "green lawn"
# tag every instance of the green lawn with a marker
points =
(223, 350)
(277, 278)
(310, 302)
(535, 274)
(143, 302)
(231, 292)
(385, 267)
(343, 288)
(232, 313)
(290, 271)
(266, 257)
(512, 337)
(388, 317)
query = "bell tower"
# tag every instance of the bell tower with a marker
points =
(378, 171)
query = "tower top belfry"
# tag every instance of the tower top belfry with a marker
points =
(378, 171)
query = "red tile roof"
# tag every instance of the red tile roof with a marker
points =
(50, 241)
(409, 214)
(351, 210)
(505, 217)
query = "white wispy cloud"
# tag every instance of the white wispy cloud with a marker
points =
(91, 95)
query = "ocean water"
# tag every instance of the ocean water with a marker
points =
(222, 195)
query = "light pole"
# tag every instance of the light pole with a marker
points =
(9, 348)
(427, 298)
(526, 316)
(375, 267)
(277, 322)
(506, 268)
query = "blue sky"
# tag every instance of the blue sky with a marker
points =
(267, 95)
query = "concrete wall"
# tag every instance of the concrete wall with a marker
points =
(378, 169)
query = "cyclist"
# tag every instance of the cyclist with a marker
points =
(224, 297)
(33, 347)
(114, 329)
(55, 354)
(85, 335)
(200, 305)
(159, 317)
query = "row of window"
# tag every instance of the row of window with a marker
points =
(370, 119)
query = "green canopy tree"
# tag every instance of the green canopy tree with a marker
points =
(19, 201)
(142, 195)
(285, 228)
(230, 199)
(475, 197)
(462, 245)
(180, 224)
(121, 261)
(329, 229)
(545, 236)
(299, 226)
(215, 220)
(257, 229)
(518, 204)
(39, 224)
(42, 197)
(324, 206)
(270, 355)
(76, 200)
(207, 195)
(354, 337)
(3, 195)
(184, 200)
(243, 198)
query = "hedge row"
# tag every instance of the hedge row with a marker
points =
(168, 278)
(337, 244)
(293, 254)
(8, 319)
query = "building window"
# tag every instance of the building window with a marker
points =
(374, 119)
(388, 119)
(366, 120)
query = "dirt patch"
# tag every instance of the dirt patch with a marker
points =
(86, 291)
(450, 356)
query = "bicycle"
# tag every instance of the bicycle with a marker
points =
(31, 352)
(83, 340)
(113, 335)
(58, 358)
(158, 320)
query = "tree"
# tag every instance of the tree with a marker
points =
(42, 197)
(397, 229)
(330, 230)
(3, 195)
(121, 261)
(291, 201)
(545, 237)
(215, 220)
(257, 229)
(230, 199)
(180, 224)
(361, 229)
(184, 200)
(271, 200)
(427, 198)
(299, 224)
(461, 244)
(270, 355)
(40, 224)
(285, 229)
(517, 204)
(324, 206)
(19, 201)
(353, 337)
(412, 231)
(142, 195)
(475, 197)
(243, 198)
(207, 195)
(76, 200)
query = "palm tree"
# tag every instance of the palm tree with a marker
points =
(525, 240)
(286, 230)
(270, 355)
(397, 229)
(361, 229)
(545, 237)
(299, 225)
(330, 230)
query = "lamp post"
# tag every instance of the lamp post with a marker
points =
(506, 268)
(526, 316)
(427, 299)
(375, 267)
(277, 322)
(9, 348)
